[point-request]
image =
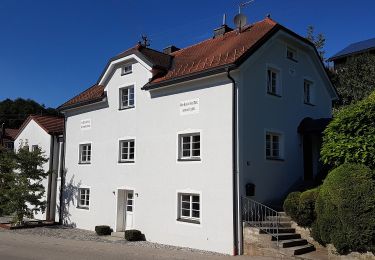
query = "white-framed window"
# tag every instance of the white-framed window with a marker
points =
(189, 146)
(127, 150)
(83, 198)
(273, 82)
(34, 147)
(273, 146)
(126, 69)
(189, 207)
(127, 97)
(85, 153)
(291, 53)
(307, 92)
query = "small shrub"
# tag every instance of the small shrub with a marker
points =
(134, 235)
(103, 230)
(291, 204)
(306, 208)
(345, 209)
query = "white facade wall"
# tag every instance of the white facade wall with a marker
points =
(262, 112)
(156, 176)
(31, 135)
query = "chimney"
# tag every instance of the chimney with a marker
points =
(222, 30)
(170, 49)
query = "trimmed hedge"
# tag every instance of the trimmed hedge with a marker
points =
(345, 209)
(291, 204)
(103, 230)
(301, 206)
(134, 235)
(306, 207)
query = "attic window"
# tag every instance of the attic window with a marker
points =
(291, 54)
(126, 69)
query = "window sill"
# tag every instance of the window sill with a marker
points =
(125, 162)
(80, 207)
(273, 94)
(84, 163)
(309, 104)
(294, 60)
(192, 221)
(126, 108)
(189, 159)
(275, 159)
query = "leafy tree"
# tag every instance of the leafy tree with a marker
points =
(350, 137)
(355, 79)
(318, 40)
(14, 112)
(25, 193)
(7, 166)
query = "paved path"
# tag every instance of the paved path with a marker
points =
(25, 246)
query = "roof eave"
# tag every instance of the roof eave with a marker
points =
(192, 76)
(82, 103)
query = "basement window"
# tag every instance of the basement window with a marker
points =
(189, 208)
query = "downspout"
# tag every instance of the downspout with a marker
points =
(236, 221)
(49, 189)
(62, 176)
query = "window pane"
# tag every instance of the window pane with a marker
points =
(185, 213)
(129, 208)
(195, 214)
(185, 205)
(196, 153)
(185, 198)
(186, 153)
(195, 198)
(196, 138)
(196, 206)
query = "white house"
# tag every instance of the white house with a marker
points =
(46, 133)
(168, 142)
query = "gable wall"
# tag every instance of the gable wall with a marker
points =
(261, 112)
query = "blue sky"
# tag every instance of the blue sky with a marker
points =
(52, 50)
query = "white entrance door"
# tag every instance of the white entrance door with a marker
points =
(129, 209)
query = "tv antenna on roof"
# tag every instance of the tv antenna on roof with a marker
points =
(241, 19)
(242, 5)
(145, 41)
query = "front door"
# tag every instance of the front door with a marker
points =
(129, 209)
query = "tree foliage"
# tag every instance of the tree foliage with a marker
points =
(318, 40)
(350, 137)
(14, 112)
(345, 209)
(355, 79)
(22, 192)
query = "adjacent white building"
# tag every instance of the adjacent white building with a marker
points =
(45, 133)
(168, 142)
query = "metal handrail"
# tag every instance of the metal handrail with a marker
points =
(260, 216)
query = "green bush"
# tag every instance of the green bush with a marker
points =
(345, 209)
(134, 235)
(103, 230)
(350, 137)
(291, 204)
(306, 208)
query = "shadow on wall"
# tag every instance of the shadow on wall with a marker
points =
(69, 198)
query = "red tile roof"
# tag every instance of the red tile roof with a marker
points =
(10, 133)
(217, 51)
(51, 124)
(230, 49)
(92, 93)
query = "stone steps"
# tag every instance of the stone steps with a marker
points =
(289, 241)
